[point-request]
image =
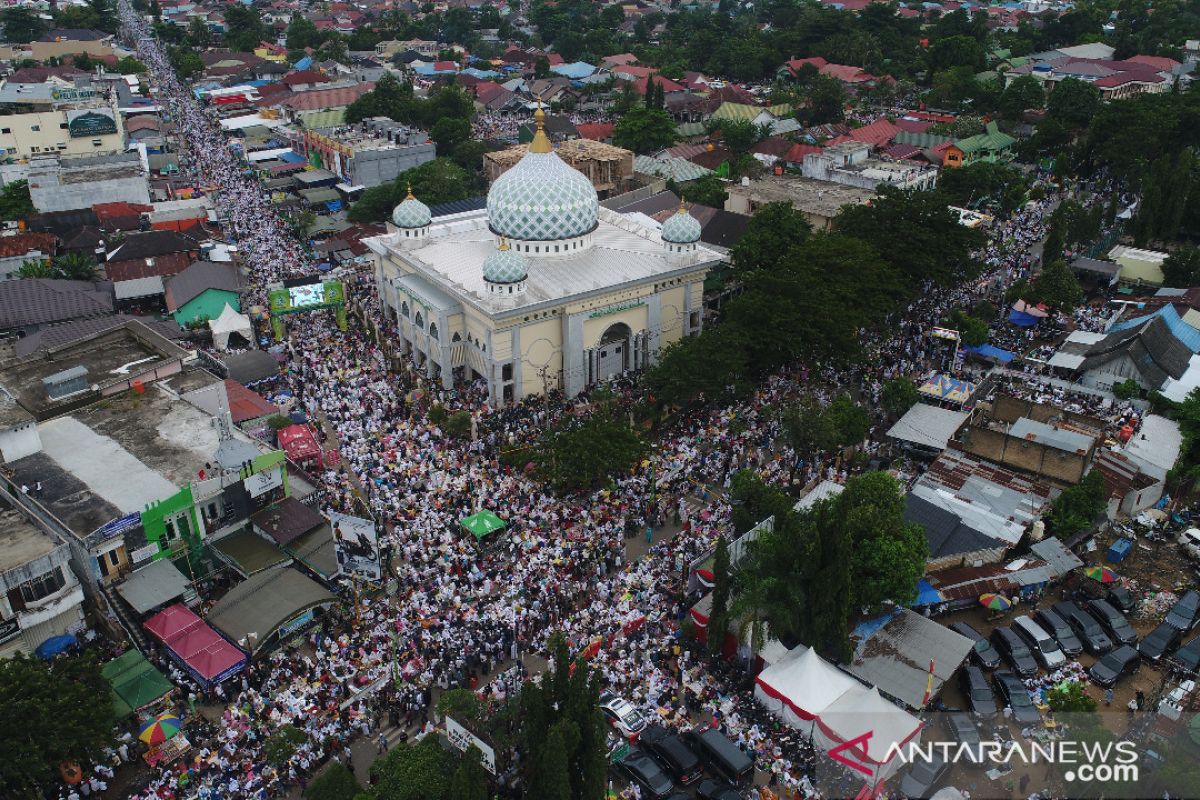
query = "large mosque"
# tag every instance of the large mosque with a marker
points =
(545, 289)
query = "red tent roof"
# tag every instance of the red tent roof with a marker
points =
(299, 443)
(193, 641)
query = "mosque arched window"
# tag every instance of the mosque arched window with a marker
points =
(419, 321)
(404, 309)
(433, 331)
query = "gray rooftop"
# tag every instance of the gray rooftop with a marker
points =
(153, 585)
(263, 602)
(895, 657)
(1040, 432)
(20, 542)
(928, 426)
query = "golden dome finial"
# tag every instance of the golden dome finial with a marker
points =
(682, 207)
(503, 244)
(540, 143)
(409, 196)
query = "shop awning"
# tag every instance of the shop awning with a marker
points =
(135, 682)
(255, 609)
(481, 524)
(153, 586)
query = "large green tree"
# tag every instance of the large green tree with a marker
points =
(470, 781)
(1024, 93)
(773, 231)
(718, 618)
(584, 454)
(1073, 102)
(1057, 286)
(1181, 269)
(434, 182)
(1077, 508)
(21, 24)
(50, 713)
(245, 28)
(916, 233)
(335, 783)
(645, 130)
(420, 771)
(15, 203)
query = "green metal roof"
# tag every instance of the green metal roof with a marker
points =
(737, 111)
(322, 119)
(690, 129)
(922, 140)
(992, 139)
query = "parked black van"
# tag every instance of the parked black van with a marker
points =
(722, 757)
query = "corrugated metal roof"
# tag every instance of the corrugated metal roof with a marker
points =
(1040, 432)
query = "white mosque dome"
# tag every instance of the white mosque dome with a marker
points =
(542, 198)
(505, 266)
(411, 213)
(681, 228)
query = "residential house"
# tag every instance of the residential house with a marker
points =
(201, 291)
(17, 249)
(138, 265)
(28, 305)
(992, 146)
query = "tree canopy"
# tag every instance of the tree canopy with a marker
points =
(585, 453)
(15, 203)
(50, 713)
(434, 182)
(645, 130)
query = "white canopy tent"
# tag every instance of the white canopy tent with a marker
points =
(229, 322)
(815, 697)
(799, 687)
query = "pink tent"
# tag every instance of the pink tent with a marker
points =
(195, 644)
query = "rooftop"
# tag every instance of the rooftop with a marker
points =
(128, 453)
(21, 542)
(806, 194)
(570, 151)
(623, 253)
(1040, 432)
(110, 358)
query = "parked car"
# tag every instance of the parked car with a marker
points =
(963, 731)
(1108, 670)
(1159, 642)
(984, 654)
(975, 689)
(622, 715)
(1089, 631)
(1186, 611)
(1114, 621)
(721, 756)
(646, 773)
(1060, 630)
(922, 776)
(1012, 691)
(1121, 598)
(716, 790)
(1014, 651)
(1187, 658)
(673, 753)
(1041, 644)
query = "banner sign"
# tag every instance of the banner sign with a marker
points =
(462, 739)
(263, 482)
(295, 624)
(357, 547)
(119, 525)
(944, 333)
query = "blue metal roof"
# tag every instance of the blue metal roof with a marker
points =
(1180, 329)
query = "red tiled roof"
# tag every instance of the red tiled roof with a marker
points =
(635, 72)
(22, 243)
(667, 84)
(142, 122)
(876, 134)
(913, 125)
(1122, 78)
(620, 59)
(445, 66)
(162, 266)
(488, 90)
(303, 76)
(1160, 63)
(320, 99)
(772, 146)
(107, 212)
(596, 131)
(798, 151)
(246, 404)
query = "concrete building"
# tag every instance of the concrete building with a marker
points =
(819, 201)
(1043, 440)
(368, 154)
(40, 597)
(67, 184)
(1138, 266)
(850, 164)
(87, 127)
(544, 289)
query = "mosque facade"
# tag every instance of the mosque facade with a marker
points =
(544, 289)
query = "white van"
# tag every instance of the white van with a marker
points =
(1044, 648)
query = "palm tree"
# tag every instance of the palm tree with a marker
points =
(75, 267)
(34, 268)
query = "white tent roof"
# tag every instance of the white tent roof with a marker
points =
(860, 710)
(805, 681)
(229, 322)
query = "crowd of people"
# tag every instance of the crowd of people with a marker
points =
(462, 615)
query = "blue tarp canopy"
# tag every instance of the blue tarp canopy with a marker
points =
(334, 205)
(1021, 319)
(292, 158)
(575, 70)
(926, 594)
(55, 645)
(994, 353)
(303, 63)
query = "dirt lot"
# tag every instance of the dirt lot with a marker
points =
(1150, 570)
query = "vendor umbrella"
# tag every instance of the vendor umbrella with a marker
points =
(1101, 573)
(159, 729)
(996, 602)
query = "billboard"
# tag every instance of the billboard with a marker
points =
(357, 547)
(304, 295)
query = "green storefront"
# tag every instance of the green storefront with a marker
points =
(205, 306)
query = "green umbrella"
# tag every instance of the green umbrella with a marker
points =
(481, 524)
